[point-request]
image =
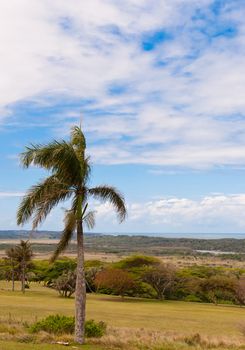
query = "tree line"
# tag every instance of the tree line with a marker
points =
(134, 276)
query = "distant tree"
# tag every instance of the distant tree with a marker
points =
(23, 255)
(90, 275)
(138, 261)
(57, 269)
(240, 291)
(187, 287)
(219, 287)
(66, 284)
(161, 278)
(118, 281)
(11, 265)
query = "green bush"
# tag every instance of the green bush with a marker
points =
(225, 302)
(58, 268)
(193, 298)
(93, 263)
(60, 324)
(95, 329)
(137, 261)
(56, 324)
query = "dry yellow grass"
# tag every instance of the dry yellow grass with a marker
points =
(132, 320)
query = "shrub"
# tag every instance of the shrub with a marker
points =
(192, 298)
(93, 263)
(60, 324)
(95, 329)
(56, 324)
(137, 261)
(143, 290)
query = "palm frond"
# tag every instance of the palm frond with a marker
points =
(70, 225)
(86, 170)
(110, 194)
(10, 253)
(23, 251)
(40, 155)
(47, 193)
(78, 139)
(45, 207)
(58, 157)
(89, 219)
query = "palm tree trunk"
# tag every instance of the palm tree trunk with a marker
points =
(23, 277)
(80, 293)
(12, 279)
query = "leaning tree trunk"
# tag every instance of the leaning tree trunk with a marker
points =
(80, 293)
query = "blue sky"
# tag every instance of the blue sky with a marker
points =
(160, 87)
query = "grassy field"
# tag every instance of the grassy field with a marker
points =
(129, 319)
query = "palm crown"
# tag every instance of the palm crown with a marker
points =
(70, 172)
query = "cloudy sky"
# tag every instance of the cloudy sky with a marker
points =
(160, 86)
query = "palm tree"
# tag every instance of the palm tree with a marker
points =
(69, 174)
(11, 263)
(19, 259)
(22, 255)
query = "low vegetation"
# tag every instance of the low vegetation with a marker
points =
(61, 324)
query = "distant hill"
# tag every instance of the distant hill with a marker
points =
(25, 234)
(15, 234)
(138, 243)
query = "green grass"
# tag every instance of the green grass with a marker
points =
(172, 317)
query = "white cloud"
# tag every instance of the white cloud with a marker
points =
(213, 213)
(202, 214)
(217, 212)
(11, 194)
(189, 111)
